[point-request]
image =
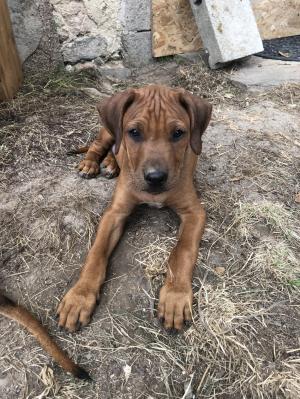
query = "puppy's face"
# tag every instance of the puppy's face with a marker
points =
(156, 132)
(156, 127)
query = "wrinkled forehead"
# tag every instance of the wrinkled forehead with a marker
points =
(158, 107)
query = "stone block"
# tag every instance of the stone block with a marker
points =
(137, 15)
(78, 19)
(84, 48)
(228, 29)
(137, 48)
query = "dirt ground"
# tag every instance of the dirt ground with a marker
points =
(244, 339)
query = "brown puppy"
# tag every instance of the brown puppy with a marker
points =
(15, 312)
(155, 133)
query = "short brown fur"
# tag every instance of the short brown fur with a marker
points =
(16, 312)
(158, 114)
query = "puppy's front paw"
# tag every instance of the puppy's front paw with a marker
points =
(88, 169)
(175, 305)
(76, 308)
(109, 167)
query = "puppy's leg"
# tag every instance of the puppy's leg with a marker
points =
(80, 301)
(109, 166)
(176, 296)
(90, 166)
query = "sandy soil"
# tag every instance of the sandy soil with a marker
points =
(244, 339)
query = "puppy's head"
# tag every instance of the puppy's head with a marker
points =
(156, 127)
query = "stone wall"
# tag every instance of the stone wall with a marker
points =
(85, 32)
(136, 35)
(88, 29)
(90, 33)
(27, 25)
(35, 34)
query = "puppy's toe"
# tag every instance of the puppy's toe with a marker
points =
(109, 166)
(110, 171)
(86, 175)
(88, 169)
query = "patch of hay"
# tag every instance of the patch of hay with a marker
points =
(281, 221)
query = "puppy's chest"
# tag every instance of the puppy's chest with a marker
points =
(155, 204)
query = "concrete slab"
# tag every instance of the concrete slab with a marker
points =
(228, 29)
(137, 46)
(137, 15)
(258, 73)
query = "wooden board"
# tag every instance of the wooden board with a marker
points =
(277, 18)
(175, 31)
(10, 65)
(174, 28)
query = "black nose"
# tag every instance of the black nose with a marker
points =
(155, 176)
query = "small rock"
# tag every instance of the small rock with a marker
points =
(69, 68)
(212, 168)
(188, 391)
(92, 92)
(297, 198)
(84, 48)
(127, 371)
(115, 72)
(83, 66)
(107, 86)
(236, 178)
(220, 270)
(4, 381)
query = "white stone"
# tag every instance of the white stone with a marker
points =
(115, 70)
(84, 66)
(84, 48)
(79, 20)
(228, 29)
(92, 92)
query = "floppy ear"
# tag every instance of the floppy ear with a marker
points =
(112, 111)
(199, 112)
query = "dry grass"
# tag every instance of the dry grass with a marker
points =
(243, 342)
(281, 221)
(48, 116)
(216, 87)
(287, 95)
(280, 259)
(223, 350)
(154, 257)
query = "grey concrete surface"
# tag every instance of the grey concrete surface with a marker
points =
(259, 73)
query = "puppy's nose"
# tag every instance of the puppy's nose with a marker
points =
(155, 176)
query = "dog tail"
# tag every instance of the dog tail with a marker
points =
(80, 150)
(15, 312)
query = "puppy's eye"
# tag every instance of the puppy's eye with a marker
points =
(135, 134)
(177, 135)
